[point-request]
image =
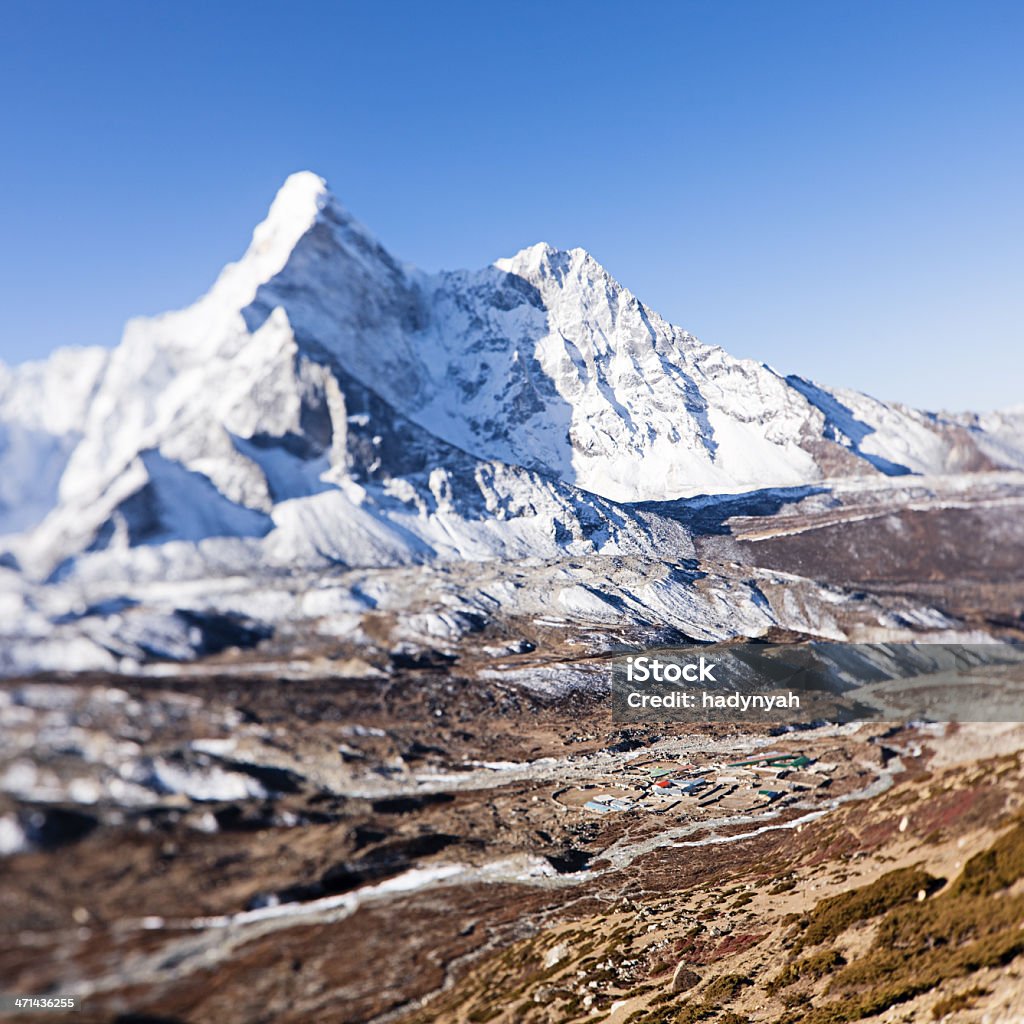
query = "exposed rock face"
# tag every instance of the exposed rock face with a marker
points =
(684, 977)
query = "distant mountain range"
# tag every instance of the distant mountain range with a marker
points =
(326, 407)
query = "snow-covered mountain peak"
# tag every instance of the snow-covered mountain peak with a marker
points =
(544, 263)
(302, 202)
(326, 405)
(215, 323)
(529, 262)
(302, 196)
(293, 212)
(296, 209)
(318, 365)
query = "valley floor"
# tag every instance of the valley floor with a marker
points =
(429, 848)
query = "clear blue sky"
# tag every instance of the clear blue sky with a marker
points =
(832, 186)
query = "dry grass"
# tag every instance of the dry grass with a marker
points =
(974, 924)
(832, 916)
(958, 1001)
(816, 966)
